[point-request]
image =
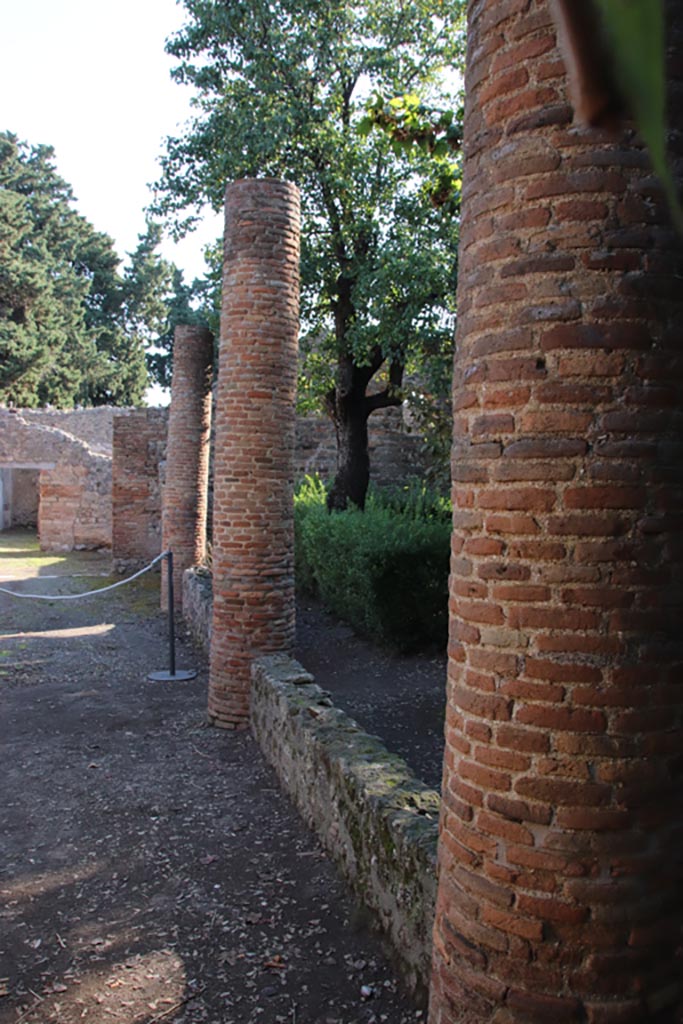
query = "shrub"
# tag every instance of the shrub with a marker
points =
(309, 498)
(413, 499)
(384, 570)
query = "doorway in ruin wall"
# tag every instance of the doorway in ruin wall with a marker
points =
(19, 497)
(54, 480)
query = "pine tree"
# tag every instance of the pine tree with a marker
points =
(73, 329)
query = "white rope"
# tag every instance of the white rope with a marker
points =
(88, 593)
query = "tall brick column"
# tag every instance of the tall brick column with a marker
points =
(253, 516)
(560, 884)
(186, 489)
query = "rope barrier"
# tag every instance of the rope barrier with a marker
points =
(88, 593)
(172, 675)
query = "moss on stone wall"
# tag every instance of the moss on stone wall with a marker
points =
(376, 819)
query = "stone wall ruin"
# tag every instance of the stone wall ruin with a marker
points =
(139, 448)
(73, 483)
(81, 442)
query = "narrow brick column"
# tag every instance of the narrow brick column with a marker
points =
(253, 517)
(560, 885)
(186, 489)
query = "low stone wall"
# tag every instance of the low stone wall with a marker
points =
(375, 818)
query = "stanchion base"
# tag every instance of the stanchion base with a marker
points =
(166, 677)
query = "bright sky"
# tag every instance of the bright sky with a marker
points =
(92, 79)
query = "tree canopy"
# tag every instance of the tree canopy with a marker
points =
(282, 89)
(73, 328)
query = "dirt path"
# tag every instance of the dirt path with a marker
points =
(150, 869)
(400, 698)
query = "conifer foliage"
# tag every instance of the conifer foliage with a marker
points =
(73, 328)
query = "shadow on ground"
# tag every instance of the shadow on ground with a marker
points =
(400, 698)
(150, 868)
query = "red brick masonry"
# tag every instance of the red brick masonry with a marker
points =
(560, 885)
(139, 441)
(186, 488)
(253, 528)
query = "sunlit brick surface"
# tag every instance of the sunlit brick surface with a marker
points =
(253, 527)
(139, 442)
(560, 895)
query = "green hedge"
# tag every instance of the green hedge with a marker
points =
(384, 570)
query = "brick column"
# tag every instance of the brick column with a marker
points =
(253, 521)
(186, 488)
(560, 887)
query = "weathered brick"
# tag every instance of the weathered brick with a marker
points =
(486, 778)
(513, 737)
(514, 924)
(499, 570)
(604, 497)
(139, 442)
(551, 909)
(519, 810)
(561, 718)
(522, 499)
(186, 487)
(512, 524)
(545, 1009)
(253, 610)
(580, 376)
(510, 831)
(561, 792)
(565, 421)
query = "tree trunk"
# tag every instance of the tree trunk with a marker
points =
(350, 419)
(349, 406)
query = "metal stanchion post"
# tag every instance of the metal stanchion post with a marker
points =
(172, 674)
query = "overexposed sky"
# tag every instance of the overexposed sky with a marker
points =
(92, 80)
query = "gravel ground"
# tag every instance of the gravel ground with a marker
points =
(150, 868)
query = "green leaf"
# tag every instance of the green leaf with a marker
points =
(283, 91)
(636, 31)
(365, 126)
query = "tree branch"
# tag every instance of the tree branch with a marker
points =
(390, 396)
(382, 400)
(364, 374)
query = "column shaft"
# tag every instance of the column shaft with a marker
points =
(253, 520)
(560, 890)
(185, 493)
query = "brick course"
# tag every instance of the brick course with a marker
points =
(139, 443)
(560, 829)
(253, 522)
(186, 485)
